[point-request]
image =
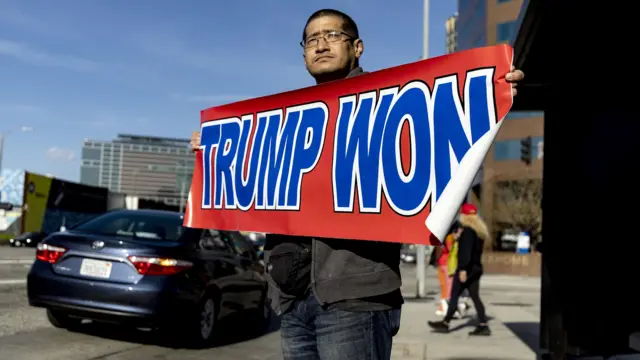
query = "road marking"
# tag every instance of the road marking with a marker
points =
(16, 261)
(13, 282)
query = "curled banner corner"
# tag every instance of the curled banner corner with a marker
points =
(445, 210)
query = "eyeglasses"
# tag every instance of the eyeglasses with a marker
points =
(329, 37)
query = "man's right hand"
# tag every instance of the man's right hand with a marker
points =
(195, 141)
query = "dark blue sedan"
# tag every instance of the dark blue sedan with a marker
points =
(143, 268)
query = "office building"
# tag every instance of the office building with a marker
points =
(152, 168)
(452, 34)
(504, 175)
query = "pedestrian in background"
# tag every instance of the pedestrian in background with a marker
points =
(472, 235)
(452, 267)
(441, 262)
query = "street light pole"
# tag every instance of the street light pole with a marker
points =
(183, 185)
(421, 251)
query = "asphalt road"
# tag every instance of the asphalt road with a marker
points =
(25, 334)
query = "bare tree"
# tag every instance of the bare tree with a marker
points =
(517, 205)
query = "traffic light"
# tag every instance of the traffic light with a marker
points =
(525, 150)
(6, 206)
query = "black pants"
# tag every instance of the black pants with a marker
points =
(473, 286)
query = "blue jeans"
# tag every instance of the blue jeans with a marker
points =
(310, 332)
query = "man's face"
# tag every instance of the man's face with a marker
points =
(330, 49)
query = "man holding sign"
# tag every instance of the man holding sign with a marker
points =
(338, 299)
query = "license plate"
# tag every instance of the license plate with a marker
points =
(96, 268)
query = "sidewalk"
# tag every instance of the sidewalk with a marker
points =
(8, 253)
(512, 310)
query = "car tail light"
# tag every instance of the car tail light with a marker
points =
(49, 253)
(158, 266)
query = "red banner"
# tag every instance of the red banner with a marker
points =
(384, 156)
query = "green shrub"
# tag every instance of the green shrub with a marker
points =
(4, 238)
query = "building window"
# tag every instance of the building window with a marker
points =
(90, 154)
(506, 150)
(89, 175)
(506, 31)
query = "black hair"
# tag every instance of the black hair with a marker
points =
(455, 226)
(348, 25)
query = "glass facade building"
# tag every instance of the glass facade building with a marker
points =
(153, 168)
(474, 21)
(471, 25)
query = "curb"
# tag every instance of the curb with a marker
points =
(13, 282)
(16, 261)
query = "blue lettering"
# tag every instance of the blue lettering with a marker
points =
(359, 135)
(281, 153)
(367, 154)
(309, 143)
(209, 139)
(276, 151)
(245, 188)
(479, 102)
(449, 121)
(225, 161)
(408, 194)
(367, 141)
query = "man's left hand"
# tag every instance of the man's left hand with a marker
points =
(463, 276)
(514, 77)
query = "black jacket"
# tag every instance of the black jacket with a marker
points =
(470, 247)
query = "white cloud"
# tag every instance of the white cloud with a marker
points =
(30, 55)
(60, 154)
(212, 99)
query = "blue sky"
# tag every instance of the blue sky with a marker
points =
(92, 69)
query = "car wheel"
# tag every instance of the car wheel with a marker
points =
(61, 320)
(208, 317)
(202, 324)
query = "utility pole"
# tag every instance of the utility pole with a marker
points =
(421, 253)
(183, 185)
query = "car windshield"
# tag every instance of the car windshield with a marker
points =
(25, 236)
(155, 226)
